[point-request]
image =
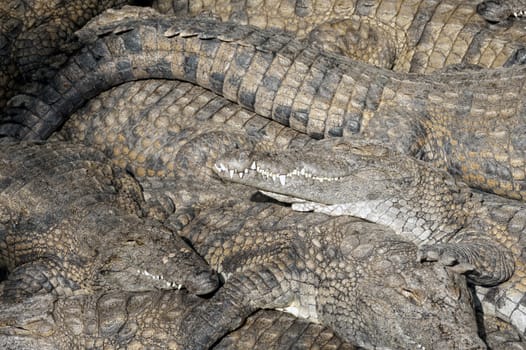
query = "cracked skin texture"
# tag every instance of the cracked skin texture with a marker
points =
(68, 217)
(164, 109)
(36, 37)
(479, 234)
(404, 35)
(301, 87)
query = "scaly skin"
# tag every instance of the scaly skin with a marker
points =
(357, 277)
(501, 10)
(67, 218)
(136, 320)
(302, 87)
(179, 114)
(482, 236)
(169, 132)
(405, 35)
(36, 36)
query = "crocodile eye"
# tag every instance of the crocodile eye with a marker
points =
(134, 242)
(412, 296)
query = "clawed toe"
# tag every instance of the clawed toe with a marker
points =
(447, 257)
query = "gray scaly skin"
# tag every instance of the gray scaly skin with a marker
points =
(114, 319)
(482, 236)
(411, 36)
(36, 36)
(67, 217)
(356, 277)
(299, 86)
(175, 136)
(288, 269)
(501, 10)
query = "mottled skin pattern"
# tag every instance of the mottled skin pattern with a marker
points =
(67, 217)
(305, 266)
(389, 268)
(114, 319)
(36, 37)
(501, 10)
(164, 109)
(405, 35)
(301, 87)
(480, 235)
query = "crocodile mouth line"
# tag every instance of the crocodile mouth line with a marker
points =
(267, 174)
(168, 284)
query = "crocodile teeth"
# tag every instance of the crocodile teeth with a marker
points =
(220, 167)
(231, 173)
(241, 174)
(253, 166)
(282, 179)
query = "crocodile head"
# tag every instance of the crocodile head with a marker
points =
(149, 257)
(392, 300)
(342, 177)
(328, 172)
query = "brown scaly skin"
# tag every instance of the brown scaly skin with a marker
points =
(137, 320)
(411, 36)
(67, 217)
(356, 277)
(178, 129)
(501, 10)
(165, 110)
(36, 37)
(299, 86)
(481, 235)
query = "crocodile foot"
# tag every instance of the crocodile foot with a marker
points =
(483, 263)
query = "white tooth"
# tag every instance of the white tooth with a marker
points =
(302, 172)
(179, 286)
(231, 172)
(282, 179)
(253, 166)
(246, 171)
(241, 175)
(274, 177)
(222, 167)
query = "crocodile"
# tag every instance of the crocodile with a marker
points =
(300, 86)
(148, 320)
(409, 36)
(67, 217)
(168, 132)
(479, 234)
(334, 271)
(48, 174)
(160, 110)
